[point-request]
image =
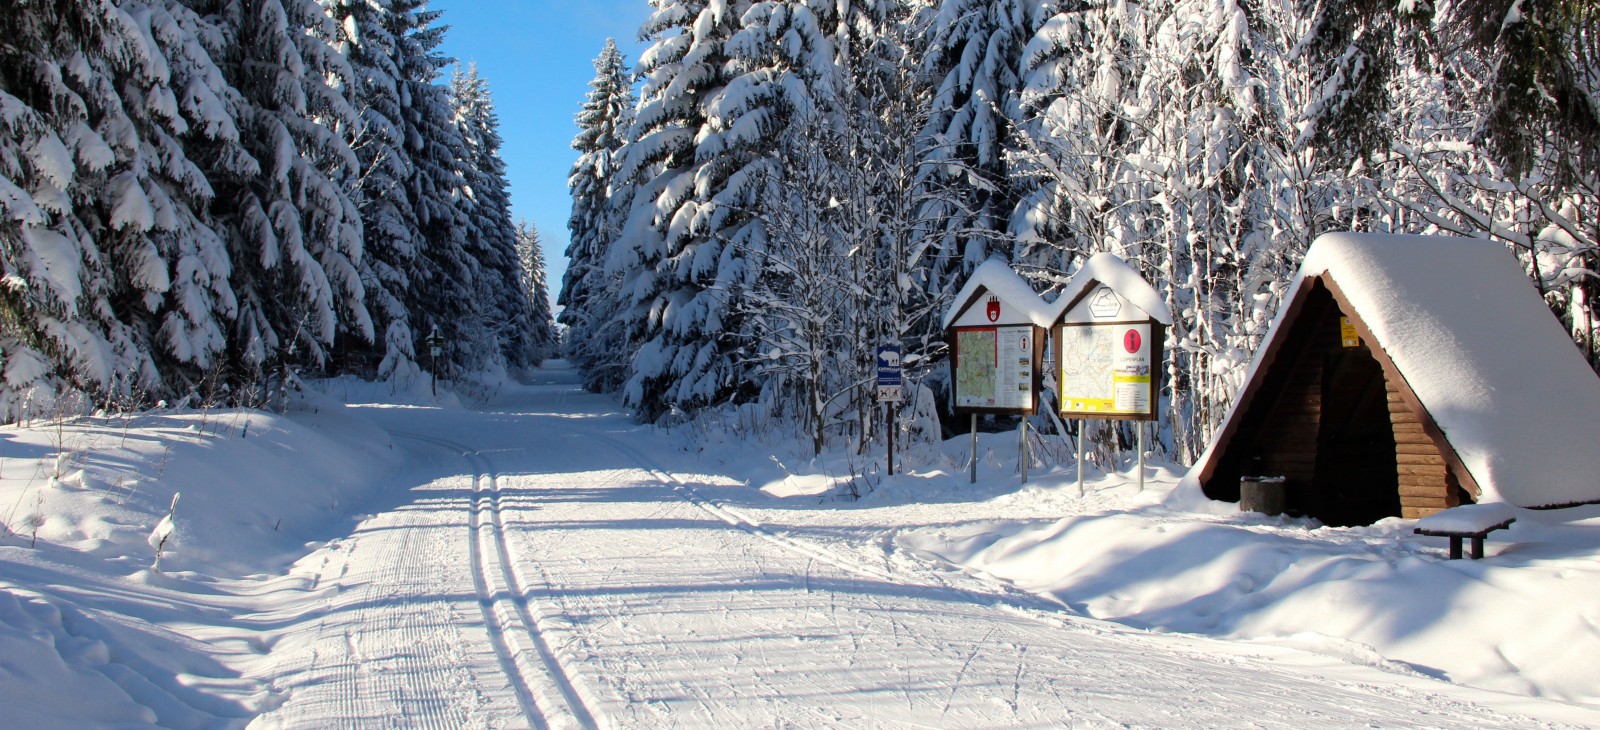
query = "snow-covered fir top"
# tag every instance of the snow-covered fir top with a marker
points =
(1477, 345)
(1108, 269)
(996, 277)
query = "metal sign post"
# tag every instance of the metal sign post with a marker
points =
(974, 448)
(1139, 425)
(1081, 423)
(1022, 449)
(433, 358)
(891, 390)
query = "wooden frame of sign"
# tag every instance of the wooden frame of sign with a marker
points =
(1021, 338)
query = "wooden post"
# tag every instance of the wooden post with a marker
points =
(974, 448)
(1080, 457)
(889, 409)
(1140, 426)
(1022, 450)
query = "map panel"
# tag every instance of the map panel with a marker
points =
(975, 367)
(1106, 369)
(995, 368)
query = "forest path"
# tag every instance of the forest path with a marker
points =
(556, 565)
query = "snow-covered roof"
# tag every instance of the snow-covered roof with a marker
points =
(1108, 269)
(1475, 342)
(996, 277)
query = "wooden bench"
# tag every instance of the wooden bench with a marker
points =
(1474, 521)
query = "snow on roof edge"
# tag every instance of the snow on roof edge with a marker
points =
(1476, 343)
(1189, 489)
(998, 277)
(1111, 270)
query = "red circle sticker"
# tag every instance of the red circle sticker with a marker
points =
(1132, 341)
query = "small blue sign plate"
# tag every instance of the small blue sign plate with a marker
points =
(889, 365)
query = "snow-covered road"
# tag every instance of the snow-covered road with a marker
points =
(552, 564)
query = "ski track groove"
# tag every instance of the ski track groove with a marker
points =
(1028, 606)
(510, 620)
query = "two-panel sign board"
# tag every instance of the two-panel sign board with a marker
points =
(1108, 326)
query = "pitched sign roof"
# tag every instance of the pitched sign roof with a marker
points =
(1016, 304)
(1512, 398)
(1109, 282)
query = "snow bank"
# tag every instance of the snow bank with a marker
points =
(1518, 621)
(89, 635)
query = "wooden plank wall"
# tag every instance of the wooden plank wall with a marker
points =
(1426, 482)
(1288, 441)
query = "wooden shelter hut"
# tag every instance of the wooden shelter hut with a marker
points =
(1406, 375)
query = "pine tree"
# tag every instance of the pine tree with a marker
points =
(58, 71)
(972, 52)
(542, 336)
(492, 238)
(688, 216)
(295, 232)
(119, 278)
(445, 275)
(589, 295)
(389, 219)
(196, 309)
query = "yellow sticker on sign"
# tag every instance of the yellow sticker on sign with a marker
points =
(1347, 333)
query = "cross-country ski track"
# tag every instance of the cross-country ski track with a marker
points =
(548, 563)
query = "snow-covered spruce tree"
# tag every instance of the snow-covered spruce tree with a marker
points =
(804, 307)
(492, 238)
(542, 335)
(389, 220)
(445, 275)
(118, 281)
(595, 341)
(295, 235)
(680, 248)
(198, 306)
(1541, 94)
(874, 98)
(1166, 133)
(1447, 172)
(1354, 48)
(971, 52)
(58, 71)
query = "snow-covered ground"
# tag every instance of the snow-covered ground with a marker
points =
(544, 561)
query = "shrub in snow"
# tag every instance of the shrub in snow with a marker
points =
(163, 530)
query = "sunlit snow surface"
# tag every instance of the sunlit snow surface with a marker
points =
(546, 562)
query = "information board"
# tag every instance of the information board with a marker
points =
(1107, 370)
(995, 368)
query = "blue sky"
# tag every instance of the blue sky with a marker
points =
(538, 57)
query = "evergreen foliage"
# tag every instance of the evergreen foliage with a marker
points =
(590, 295)
(541, 335)
(789, 196)
(502, 299)
(200, 198)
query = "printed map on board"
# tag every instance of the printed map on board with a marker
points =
(975, 384)
(1086, 362)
